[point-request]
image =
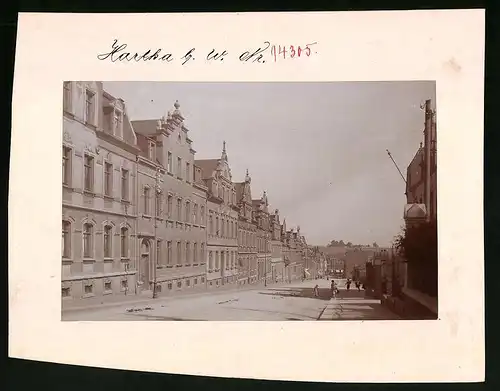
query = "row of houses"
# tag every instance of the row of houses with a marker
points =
(141, 215)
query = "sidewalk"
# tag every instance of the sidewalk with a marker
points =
(353, 308)
(146, 297)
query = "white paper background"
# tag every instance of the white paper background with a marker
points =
(446, 46)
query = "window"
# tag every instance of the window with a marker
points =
(124, 284)
(146, 196)
(169, 163)
(217, 226)
(169, 206)
(87, 240)
(210, 224)
(188, 253)
(169, 286)
(66, 166)
(124, 242)
(158, 253)
(203, 253)
(179, 167)
(195, 214)
(169, 253)
(67, 96)
(195, 281)
(118, 123)
(195, 253)
(108, 179)
(89, 173)
(66, 292)
(210, 261)
(66, 239)
(151, 151)
(108, 234)
(202, 280)
(179, 284)
(107, 285)
(89, 107)
(223, 223)
(202, 215)
(158, 205)
(188, 282)
(187, 215)
(179, 209)
(89, 288)
(179, 255)
(217, 264)
(125, 187)
(188, 168)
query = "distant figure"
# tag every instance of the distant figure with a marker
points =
(334, 289)
(316, 291)
(348, 284)
(358, 285)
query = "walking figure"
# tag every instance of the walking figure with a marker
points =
(334, 289)
(316, 291)
(348, 284)
(358, 285)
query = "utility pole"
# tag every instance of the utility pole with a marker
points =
(427, 155)
(157, 212)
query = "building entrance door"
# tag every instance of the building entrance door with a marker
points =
(145, 260)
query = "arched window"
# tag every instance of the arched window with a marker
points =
(66, 239)
(108, 245)
(210, 260)
(124, 242)
(88, 250)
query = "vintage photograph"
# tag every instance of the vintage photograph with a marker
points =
(248, 201)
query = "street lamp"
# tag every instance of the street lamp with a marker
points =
(157, 212)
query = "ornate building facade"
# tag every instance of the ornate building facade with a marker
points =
(99, 206)
(222, 240)
(277, 259)
(262, 221)
(141, 216)
(247, 234)
(172, 208)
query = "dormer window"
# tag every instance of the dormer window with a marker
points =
(118, 123)
(151, 151)
(89, 107)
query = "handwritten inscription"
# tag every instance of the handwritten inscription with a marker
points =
(264, 53)
(118, 53)
(291, 51)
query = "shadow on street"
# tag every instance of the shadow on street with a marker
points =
(324, 293)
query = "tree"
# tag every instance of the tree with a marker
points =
(341, 243)
(375, 244)
(349, 244)
(418, 245)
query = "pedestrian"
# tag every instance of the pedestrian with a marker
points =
(358, 285)
(348, 284)
(316, 291)
(334, 289)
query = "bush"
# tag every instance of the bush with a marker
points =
(418, 245)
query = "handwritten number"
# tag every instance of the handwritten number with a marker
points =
(292, 51)
(299, 51)
(273, 52)
(282, 51)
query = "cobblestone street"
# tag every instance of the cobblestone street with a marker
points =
(294, 301)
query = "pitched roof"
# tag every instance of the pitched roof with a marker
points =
(207, 166)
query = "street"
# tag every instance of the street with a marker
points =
(294, 301)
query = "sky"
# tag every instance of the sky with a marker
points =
(317, 149)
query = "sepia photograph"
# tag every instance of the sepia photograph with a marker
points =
(239, 201)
